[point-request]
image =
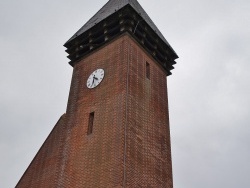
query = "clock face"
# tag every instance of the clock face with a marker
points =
(95, 78)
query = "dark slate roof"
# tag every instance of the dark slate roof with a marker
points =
(112, 6)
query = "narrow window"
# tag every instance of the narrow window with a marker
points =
(91, 122)
(147, 70)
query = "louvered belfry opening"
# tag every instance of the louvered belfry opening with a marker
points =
(126, 19)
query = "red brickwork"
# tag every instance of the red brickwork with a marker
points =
(148, 161)
(130, 142)
(96, 160)
(43, 170)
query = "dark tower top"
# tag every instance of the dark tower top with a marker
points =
(113, 19)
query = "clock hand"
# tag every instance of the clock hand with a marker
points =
(93, 80)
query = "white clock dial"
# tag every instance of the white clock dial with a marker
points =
(95, 78)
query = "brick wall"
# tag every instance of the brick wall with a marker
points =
(148, 161)
(96, 160)
(43, 170)
(130, 142)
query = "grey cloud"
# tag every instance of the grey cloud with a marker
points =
(208, 91)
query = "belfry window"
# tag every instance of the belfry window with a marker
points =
(147, 70)
(91, 123)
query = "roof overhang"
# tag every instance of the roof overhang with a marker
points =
(93, 35)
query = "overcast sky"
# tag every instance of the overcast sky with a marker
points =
(209, 91)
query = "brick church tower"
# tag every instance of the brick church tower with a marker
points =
(115, 132)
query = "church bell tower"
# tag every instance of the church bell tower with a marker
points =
(115, 132)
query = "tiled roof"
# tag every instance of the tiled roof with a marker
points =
(111, 7)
